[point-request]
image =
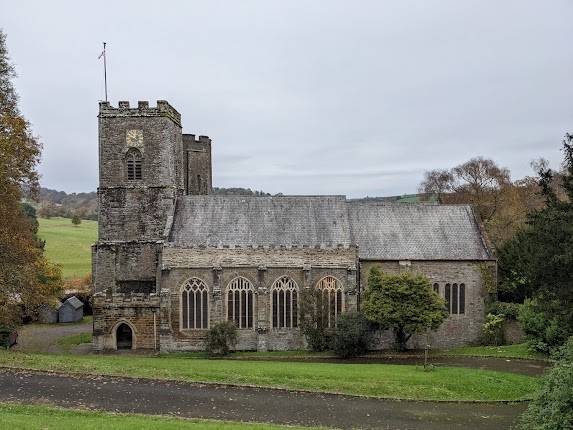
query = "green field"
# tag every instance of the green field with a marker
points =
(20, 417)
(69, 245)
(376, 380)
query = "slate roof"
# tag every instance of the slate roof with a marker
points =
(74, 302)
(382, 231)
(261, 221)
(405, 231)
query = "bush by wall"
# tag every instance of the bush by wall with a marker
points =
(542, 333)
(352, 335)
(492, 330)
(221, 338)
(509, 310)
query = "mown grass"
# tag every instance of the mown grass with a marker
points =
(377, 380)
(520, 351)
(20, 417)
(68, 342)
(293, 353)
(69, 245)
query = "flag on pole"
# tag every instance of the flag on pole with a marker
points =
(104, 69)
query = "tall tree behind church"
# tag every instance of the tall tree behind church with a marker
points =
(26, 278)
(501, 203)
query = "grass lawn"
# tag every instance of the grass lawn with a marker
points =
(20, 417)
(378, 380)
(69, 245)
(506, 351)
(76, 339)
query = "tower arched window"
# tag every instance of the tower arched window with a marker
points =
(133, 164)
(240, 302)
(331, 298)
(284, 298)
(194, 304)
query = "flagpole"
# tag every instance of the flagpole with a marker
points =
(104, 72)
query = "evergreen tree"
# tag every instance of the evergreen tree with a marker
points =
(76, 220)
(404, 303)
(539, 258)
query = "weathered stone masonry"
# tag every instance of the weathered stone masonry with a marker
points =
(168, 250)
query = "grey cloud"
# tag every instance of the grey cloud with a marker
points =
(331, 97)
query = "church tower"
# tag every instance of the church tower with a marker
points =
(140, 178)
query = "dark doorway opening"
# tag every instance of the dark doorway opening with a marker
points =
(124, 337)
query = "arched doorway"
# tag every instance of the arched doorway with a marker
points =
(124, 337)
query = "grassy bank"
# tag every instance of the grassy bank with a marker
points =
(69, 342)
(378, 380)
(69, 245)
(20, 417)
(520, 351)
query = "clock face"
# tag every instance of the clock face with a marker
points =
(134, 138)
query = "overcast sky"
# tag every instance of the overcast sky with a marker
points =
(330, 97)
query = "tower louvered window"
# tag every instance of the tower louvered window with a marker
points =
(240, 302)
(194, 305)
(133, 164)
(284, 295)
(330, 299)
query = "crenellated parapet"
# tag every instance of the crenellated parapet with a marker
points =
(119, 300)
(124, 110)
(192, 138)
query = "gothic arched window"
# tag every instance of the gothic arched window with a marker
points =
(133, 163)
(284, 298)
(455, 296)
(194, 304)
(240, 302)
(330, 299)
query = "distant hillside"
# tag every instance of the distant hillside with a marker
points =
(238, 192)
(55, 203)
(61, 204)
(405, 198)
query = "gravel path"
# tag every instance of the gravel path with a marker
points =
(44, 337)
(250, 404)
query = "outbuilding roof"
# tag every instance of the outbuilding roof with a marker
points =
(382, 231)
(74, 302)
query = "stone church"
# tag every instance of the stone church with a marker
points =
(172, 259)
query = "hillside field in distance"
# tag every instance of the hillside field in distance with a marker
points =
(69, 245)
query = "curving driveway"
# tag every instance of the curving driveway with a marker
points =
(250, 404)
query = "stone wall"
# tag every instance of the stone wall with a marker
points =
(262, 267)
(135, 310)
(457, 330)
(512, 332)
(124, 261)
(283, 256)
(197, 164)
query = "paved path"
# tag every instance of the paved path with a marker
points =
(44, 337)
(250, 404)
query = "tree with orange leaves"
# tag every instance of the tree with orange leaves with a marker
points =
(26, 278)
